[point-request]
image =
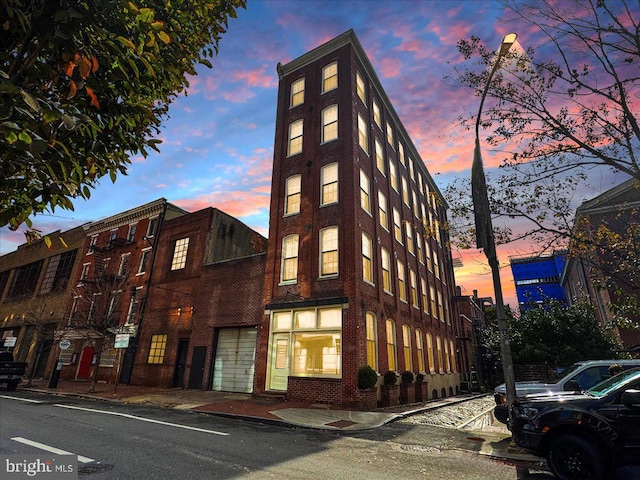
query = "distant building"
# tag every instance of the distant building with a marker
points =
(537, 277)
(587, 270)
(358, 269)
(471, 323)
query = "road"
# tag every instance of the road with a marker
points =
(117, 441)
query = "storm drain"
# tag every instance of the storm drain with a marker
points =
(420, 449)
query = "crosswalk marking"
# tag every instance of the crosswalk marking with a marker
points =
(142, 419)
(51, 449)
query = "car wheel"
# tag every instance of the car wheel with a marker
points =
(575, 458)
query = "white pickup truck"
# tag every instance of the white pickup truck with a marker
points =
(580, 376)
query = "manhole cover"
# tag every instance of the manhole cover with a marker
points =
(420, 448)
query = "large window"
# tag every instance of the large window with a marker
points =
(365, 192)
(389, 134)
(316, 338)
(157, 349)
(330, 77)
(439, 354)
(24, 280)
(180, 254)
(144, 260)
(432, 367)
(292, 199)
(297, 92)
(414, 288)
(391, 344)
(372, 341)
(401, 154)
(329, 251)
(382, 211)
(376, 114)
(406, 347)
(362, 133)
(420, 350)
(58, 272)
(423, 295)
(393, 175)
(131, 234)
(295, 138)
(386, 270)
(402, 286)
(397, 231)
(405, 191)
(432, 296)
(134, 306)
(360, 88)
(123, 269)
(290, 259)
(408, 230)
(452, 353)
(329, 181)
(447, 364)
(330, 123)
(367, 263)
(379, 157)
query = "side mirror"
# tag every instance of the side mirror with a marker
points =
(572, 386)
(631, 398)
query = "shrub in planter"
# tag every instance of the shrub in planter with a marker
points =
(367, 377)
(390, 378)
(407, 376)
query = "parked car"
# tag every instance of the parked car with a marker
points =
(584, 435)
(580, 376)
(11, 372)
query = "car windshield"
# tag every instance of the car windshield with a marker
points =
(610, 384)
(569, 371)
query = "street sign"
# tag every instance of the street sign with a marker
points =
(64, 344)
(122, 340)
(10, 341)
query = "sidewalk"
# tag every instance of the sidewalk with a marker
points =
(240, 405)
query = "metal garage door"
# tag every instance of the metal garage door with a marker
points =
(235, 360)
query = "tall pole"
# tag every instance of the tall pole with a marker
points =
(485, 238)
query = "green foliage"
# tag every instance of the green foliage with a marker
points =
(367, 377)
(390, 378)
(407, 376)
(84, 85)
(553, 334)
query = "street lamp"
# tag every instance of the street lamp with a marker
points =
(485, 238)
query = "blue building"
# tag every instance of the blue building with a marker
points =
(537, 277)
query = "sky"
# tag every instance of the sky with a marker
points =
(217, 148)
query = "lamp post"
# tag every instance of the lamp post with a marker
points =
(485, 238)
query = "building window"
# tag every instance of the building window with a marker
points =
(297, 92)
(401, 154)
(391, 344)
(295, 138)
(113, 235)
(439, 354)
(289, 259)
(372, 341)
(408, 230)
(379, 157)
(113, 305)
(93, 306)
(85, 272)
(131, 234)
(406, 346)
(382, 211)
(393, 175)
(420, 351)
(432, 367)
(360, 88)
(153, 226)
(419, 247)
(402, 288)
(92, 244)
(440, 306)
(330, 123)
(362, 133)
(134, 305)
(416, 212)
(386, 270)
(405, 192)
(452, 353)
(329, 251)
(329, 181)
(180, 254)
(413, 281)
(58, 272)
(292, 197)
(365, 197)
(376, 114)
(428, 251)
(447, 363)
(389, 135)
(397, 230)
(123, 269)
(330, 77)
(432, 295)
(157, 349)
(423, 295)
(144, 261)
(411, 172)
(24, 280)
(367, 263)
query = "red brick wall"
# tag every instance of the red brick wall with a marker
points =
(314, 390)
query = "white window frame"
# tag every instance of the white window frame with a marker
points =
(390, 135)
(294, 147)
(376, 114)
(371, 324)
(293, 191)
(290, 247)
(383, 211)
(367, 258)
(145, 254)
(329, 78)
(329, 246)
(330, 124)
(380, 157)
(297, 91)
(360, 88)
(365, 192)
(397, 226)
(180, 251)
(363, 134)
(392, 348)
(387, 279)
(393, 175)
(402, 281)
(328, 183)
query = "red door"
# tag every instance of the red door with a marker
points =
(85, 362)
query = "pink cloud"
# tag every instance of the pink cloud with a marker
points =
(235, 203)
(257, 77)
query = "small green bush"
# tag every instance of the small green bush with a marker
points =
(407, 376)
(390, 378)
(367, 377)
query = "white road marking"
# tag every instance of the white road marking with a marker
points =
(142, 419)
(21, 399)
(51, 449)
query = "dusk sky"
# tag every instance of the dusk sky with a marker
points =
(217, 148)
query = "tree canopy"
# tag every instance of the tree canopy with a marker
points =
(555, 113)
(84, 85)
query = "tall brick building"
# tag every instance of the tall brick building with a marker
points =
(358, 271)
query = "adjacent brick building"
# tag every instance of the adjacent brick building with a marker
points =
(358, 268)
